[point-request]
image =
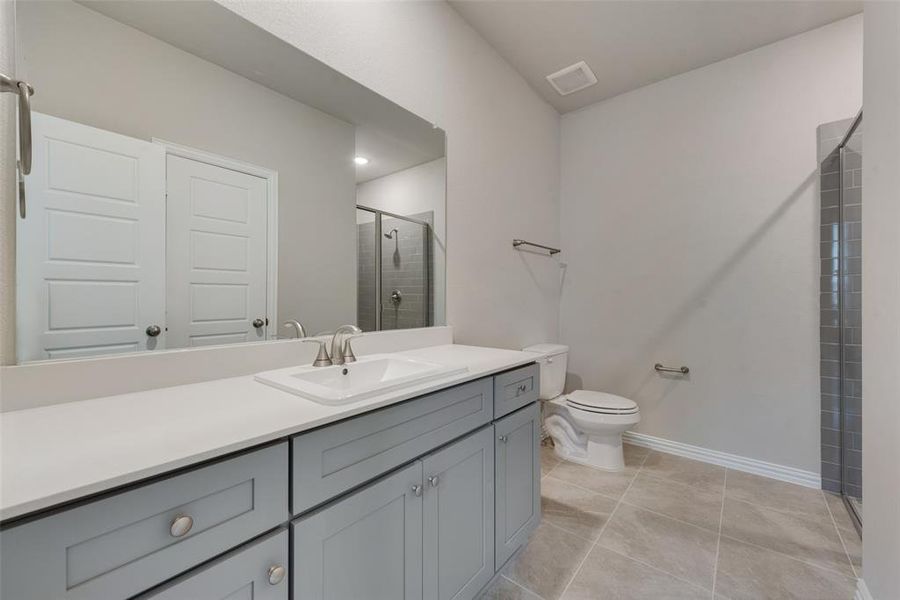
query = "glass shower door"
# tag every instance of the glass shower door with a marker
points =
(394, 284)
(851, 317)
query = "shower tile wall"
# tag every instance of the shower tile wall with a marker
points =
(830, 136)
(403, 269)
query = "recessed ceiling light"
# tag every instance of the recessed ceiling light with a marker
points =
(361, 160)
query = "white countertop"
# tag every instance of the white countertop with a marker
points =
(55, 454)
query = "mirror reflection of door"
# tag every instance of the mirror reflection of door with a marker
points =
(91, 252)
(128, 249)
(216, 254)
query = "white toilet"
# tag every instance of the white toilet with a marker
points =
(586, 426)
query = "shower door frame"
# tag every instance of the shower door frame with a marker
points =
(852, 508)
(426, 259)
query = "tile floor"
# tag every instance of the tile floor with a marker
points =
(672, 528)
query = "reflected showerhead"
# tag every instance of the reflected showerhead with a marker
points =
(390, 235)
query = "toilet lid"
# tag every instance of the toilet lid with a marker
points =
(601, 402)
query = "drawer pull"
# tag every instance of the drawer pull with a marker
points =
(521, 389)
(181, 525)
(433, 480)
(276, 574)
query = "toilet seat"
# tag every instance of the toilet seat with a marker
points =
(601, 403)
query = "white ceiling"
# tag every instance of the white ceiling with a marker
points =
(629, 44)
(391, 137)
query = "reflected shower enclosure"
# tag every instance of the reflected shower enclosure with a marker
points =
(395, 283)
(840, 151)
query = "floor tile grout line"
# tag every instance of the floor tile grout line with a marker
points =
(719, 536)
(521, 587)
(840, 535)
(797, 515)
(584, 489)
(602, 529)
(655, 568)
(801, 560)
(570, 532)
(671, 518)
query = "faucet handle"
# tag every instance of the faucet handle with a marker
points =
(322, 358)
(348, 350)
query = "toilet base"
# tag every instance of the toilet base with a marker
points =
(600, 452)
(587, 438)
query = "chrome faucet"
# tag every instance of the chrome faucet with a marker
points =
(338, 350)
(299, 330)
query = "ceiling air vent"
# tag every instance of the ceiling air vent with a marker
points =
(571, 79)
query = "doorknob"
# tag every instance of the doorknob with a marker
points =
(153, 330)
(258, 323)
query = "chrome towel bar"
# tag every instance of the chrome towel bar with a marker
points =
(24, 92)
(552, 251)
(663, 369)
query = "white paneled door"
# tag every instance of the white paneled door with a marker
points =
(216, 254)
(91, 250)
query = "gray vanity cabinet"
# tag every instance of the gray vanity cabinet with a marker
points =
(366, 546)
(334, 459)
(257, 571)
(459, 518)
(518, 477)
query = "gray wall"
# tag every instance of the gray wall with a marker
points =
(881, 303)
(160, 91)
(690, 227)
(830, 135)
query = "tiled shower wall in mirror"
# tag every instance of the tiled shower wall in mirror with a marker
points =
(831, 310)
(406, 273)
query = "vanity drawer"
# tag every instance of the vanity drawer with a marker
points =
(514, 389)
(258, 570)
(123, 544)
(337, 458)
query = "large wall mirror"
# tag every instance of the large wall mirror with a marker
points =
(197, 181)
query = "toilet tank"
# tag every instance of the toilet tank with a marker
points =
(552, 359)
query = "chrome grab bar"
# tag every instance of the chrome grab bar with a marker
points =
(24, 92)
(552, 251)
(663, 369)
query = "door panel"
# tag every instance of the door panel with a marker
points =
(216, 254)
(518, 494)
(459, 518)
(91, 250)
(367, 546)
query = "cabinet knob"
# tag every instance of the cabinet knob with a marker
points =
(276, 574)
(181, 525)
(503, 438)
(433, 480)
(258, 323)
(153, 330)
(417, 490)
(521, 389)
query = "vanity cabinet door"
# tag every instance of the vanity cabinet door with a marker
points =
(367, 546)
(257, 571)
(518, 470)
(459, 518)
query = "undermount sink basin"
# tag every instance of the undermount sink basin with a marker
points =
(368, 376)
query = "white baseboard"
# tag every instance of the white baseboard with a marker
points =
(732, 461)
(862, 592)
